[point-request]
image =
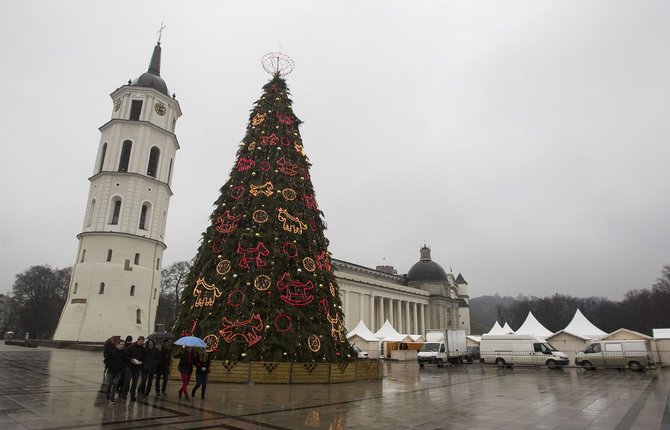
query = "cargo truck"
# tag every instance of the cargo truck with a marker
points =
(443, 346)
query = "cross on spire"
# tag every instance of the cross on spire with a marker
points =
(160, 32)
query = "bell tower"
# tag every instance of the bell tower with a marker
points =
(116, 277)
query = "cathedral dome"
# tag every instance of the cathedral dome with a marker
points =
(152, 77)
(426, 270)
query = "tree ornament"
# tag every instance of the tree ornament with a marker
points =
(283, 323)
(237, 192)
(212, 342)
(308, 264)
(289, 249)
(258, 118)
(265, 165)
(284, 119)
(265, 189)
(289, 194)
(285, 141)
(291, 223)
(218, 246)
(310, 201)
(235, 298)
(251, 146)
(286, 167)
(244, 164)
(260, 216)
(227, 223)
(323, 261)
(248, 329)
(296, 293)
(336, 323)
(332, 289)
(253, 254)
(299, 148)
(262, 282)
(314, 343)
(270, 140)
(205, 294)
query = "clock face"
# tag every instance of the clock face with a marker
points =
(117, 104)
(159, 108)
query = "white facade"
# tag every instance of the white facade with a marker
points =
(116, 277)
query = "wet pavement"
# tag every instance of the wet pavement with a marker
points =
(47, 388)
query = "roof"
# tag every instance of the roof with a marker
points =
(633, 332)
(361, 330)
(582, 327)
(496, 329)
(533, 327)
(661, 333)
(152, 77)
(461, 280)
(507, 329)
(569, 334)
(426, 270)
(387, 333)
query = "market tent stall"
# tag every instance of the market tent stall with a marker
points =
(506, 329)
(533, 327)
(394, 344)
(496, 329)
(581, 326)
(365, 339)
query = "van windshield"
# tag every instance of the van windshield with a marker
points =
(430, 347)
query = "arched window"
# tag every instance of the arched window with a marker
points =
(152, 168)
(139, 316)
(109, 255)
(74, 290)
(132, 290)
(101, 290)
(116, 211)
(135, 110)
(89, 221)
(102, 156)
(144, 213)
(137, 258)
(125, 155)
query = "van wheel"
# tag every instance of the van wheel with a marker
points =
(586, 364)
(500, 363)
(634, 365)
(551, 364)
(439, 363)
(420, 364)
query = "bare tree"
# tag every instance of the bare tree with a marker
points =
(173, 281)
(40, 293)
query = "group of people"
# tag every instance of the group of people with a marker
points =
(128, 363)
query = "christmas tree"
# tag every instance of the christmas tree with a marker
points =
(262, 287)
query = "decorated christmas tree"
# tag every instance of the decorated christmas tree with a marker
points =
(262, 287)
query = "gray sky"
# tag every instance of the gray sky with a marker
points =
(524, 142)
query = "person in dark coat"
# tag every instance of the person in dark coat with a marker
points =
(122, 380)
(116, 362)
(202, 363)
(107, 348)
(163, 370)
(185, 370)
(152, 358)
(135, 358)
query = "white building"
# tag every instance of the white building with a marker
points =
(426, 297)
(117, 272)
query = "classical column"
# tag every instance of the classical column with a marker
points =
(416, 318)
(408, 329)
(390, 314)
(373, 323)
(361, 306)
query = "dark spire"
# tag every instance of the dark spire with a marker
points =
(155, 64)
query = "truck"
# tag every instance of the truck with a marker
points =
(442, 346)
(506, 350)
(634, 354)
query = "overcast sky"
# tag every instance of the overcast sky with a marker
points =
(525, 142)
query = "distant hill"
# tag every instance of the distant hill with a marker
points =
(484, 312)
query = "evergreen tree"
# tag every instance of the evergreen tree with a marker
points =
(262, 287)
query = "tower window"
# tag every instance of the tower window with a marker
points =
(135, 110)
(116, 211)
(170, 172)
(132, 290)
(158, 263)
(101, 290)
(139, 316)
(74, 290)
(125, 155)
(153, 161)
(83, 255)
(137, 258)
(143, 216)
(155, 293)
(89, 221)
(109, 255)
(102, 156)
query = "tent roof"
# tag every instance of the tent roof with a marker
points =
(661, 333)
(581, 326)
(362, 331)
(533, 327)
(387, 333)
(496, 329)
(416, 337)
(507, 329)
(474, 338)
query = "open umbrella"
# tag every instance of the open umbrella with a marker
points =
(160, 335)
(191, 341)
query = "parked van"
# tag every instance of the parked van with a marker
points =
(635, 354)
(510, 349)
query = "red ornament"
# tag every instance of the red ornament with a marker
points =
(235, 298)
(248, 329)
(245, 164)
(286, 167)
(296, 292)
(284, 119)
(227, 223)
(323, 261)
(269, 140)
(217, 246)
(265, 165)
(237, 192)
(190, 329)
(283, 323)
(290, 249)
(253, 254)
(285, 141)
(310, 201)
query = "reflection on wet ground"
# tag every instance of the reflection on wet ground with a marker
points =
(59, 389)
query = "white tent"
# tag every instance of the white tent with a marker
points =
(533, 327)
(362, 337)
(496, 329)
(581, 326)
(387, 333)
(506, 329)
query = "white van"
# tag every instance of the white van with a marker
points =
(634, 354)
(510, 349)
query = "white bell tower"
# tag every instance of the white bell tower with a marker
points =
(116, 277)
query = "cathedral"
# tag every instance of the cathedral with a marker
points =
(116, 277)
